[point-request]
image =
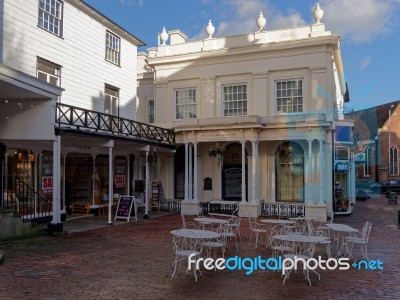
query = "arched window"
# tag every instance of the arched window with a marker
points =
(393, 161)
(367, 163)
(289, 158)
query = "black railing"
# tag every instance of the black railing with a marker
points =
(79, 118)
(24, 201)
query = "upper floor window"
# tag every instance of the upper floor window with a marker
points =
(289, 96)
(48, 72)
(50, 15)
(111, 100)
(112, 48)
(150, 111)
(367, 164)
(185, 104)
(234, 100)
(393, 161)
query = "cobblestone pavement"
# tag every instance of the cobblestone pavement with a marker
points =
(133, 261)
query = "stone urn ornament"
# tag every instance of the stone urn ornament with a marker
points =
(318, 13)
(210, 29)
(261, 21)
(164, 36)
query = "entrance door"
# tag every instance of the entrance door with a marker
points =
(232, 173)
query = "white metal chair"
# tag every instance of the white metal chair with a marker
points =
(304, 250)
(278, 247)
(211, 246)
(360, 240)
(230, 231)
(183, 248)
(187, 218)
(256, 228)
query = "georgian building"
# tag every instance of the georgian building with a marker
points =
(68, 109)
(257, 117)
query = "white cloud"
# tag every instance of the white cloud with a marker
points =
(365, 62)
(131, 2)
(359, 20)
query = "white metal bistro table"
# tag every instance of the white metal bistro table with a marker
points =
(278, 222)
(195, 233)
(299, 238)
(340, 233)
(210, 221)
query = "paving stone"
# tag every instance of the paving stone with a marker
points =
(133, 261)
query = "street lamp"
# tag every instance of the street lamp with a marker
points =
(390, 124)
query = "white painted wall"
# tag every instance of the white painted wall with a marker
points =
(80, 52)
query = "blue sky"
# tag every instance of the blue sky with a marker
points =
(369, 30)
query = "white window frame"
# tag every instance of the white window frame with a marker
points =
(43, 71)
(234, 99)
(393, 161)
(289, 99)
(111, 100)
(113, 48)
(367, 164)
(185, 103)
(150, 111)
(50, 16)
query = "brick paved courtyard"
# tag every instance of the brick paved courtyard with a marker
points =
(133, 261)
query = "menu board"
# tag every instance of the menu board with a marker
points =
(124, 207)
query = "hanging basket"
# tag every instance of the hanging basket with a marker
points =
(216, 151)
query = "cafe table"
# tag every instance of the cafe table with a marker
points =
(195, 233)
(340, 232)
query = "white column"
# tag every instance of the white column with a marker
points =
(56, 181)
(309, 172)
(321, 171)
(254, 172)
(195, 198)
(243, 172)
(147, 186)
(110, 181)
(186, 173)
(190, 173)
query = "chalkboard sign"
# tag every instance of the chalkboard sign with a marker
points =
(124, 207)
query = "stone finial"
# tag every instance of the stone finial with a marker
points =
(261, 21)
(318, 13)
(210, 29)
(164, 36)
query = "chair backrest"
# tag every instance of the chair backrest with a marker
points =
(185, 243)
(366, 230)
(310, 227)
(330, 215)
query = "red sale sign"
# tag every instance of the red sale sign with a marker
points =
(47, 184)
(119, 181)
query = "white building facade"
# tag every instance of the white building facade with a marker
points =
(254, 117)
(67, 105)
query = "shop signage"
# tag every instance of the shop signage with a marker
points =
(342, 167)
(47, 184)
(119, 181)
(359, 157)
(124, 207)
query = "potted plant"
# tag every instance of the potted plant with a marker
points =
(216, 151)
(154, 162)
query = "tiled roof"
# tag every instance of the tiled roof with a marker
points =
(367, 121)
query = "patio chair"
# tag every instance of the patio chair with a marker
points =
(187, 218)
(277, 246)
(322, 226)
(210, 247)
(361, 240)
(256, 228)
(183, 248)
(301, 250)
(230, 231)
(327, 242)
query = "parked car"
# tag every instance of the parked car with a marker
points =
(392, 185)
(368, 185)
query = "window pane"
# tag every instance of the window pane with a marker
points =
(185, 104)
